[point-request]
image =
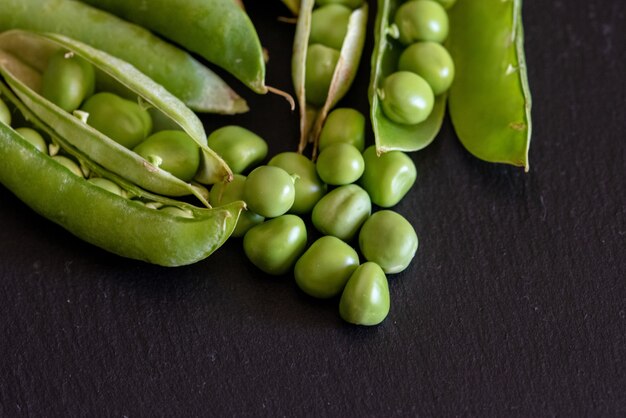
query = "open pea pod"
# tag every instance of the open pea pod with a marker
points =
(389, 135)
(23, 57)
(312, 117)
(490, 99)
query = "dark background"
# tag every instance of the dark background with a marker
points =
(515, 304)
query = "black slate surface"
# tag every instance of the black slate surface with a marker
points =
(515, 304)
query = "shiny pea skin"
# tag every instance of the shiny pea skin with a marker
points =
(388, 240)
(324, 268)
(122, 120)
(353, 4)
(69, 164)
(388, 177)
(172, 151)
(107, 185)
(432, 62)
(5, 113)
(34, 138)
(406, 98)
(269, 191)
(309, 188)
(320, 67)
(228, 192)
(329, 25)
(275, 245)
(67, 80)
(422, 20)
(340, 164)
(342, 212)
(343, 125)
(239, 147)
(365, 299)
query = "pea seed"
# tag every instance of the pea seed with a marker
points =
(329, 25)
(320, 67)
(342, 212)
(69, 164)
(34, 138)
(176, 211)
(5, 114)
(67, 80)
(432, 62)
(365, 299)
(107, 185)
(406, 98)
(173, 151)
(224, 193)
(239, 147)
(340, 164)
(388, 177)
(447, 4)
(344, 125)
(422, 20)
(269, 191)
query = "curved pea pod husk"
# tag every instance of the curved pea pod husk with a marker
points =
(490, 99)
(24, 55)
(389, 135)
(312, 118)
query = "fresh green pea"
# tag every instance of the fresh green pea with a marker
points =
(353, 4)
(124, 121)
(5, 114)
(344, 125)
(320, 66)
(406, 98)
(107, 185)
(324, 268)
(329, 25)
(67, 80)
(432, 62)
(388, 177)
(447, 4)
(172, 151)
(388, 240)
(224, 193)
(34, 138)
(269, 191)
(339, 164)
(69, 164)
(239, 147)
(365, 299)
(309, 188)
(422, 20)
(275, 245)
(176, 211)
(342, 212)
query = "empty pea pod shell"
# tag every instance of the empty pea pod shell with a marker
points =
(490, 99)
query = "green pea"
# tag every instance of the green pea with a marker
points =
(344, 125)
(388, 177)
(324, 268)
(432, 62)
(447, 4)
(176, 211)
(69, 164)
(239, 147)
(172, 151)
(406, 98)
(365, 299)
(5, 113)
(34, 138)
(269, 191)
(388, 240)
(342, 212)
(124, 121)
(67, 80)
(224, 193)
(309, 188)
(340, 164)
(320, 67)
(353, 4)
(107, 185)
(422, 20)
(329, 25)
(275, 245)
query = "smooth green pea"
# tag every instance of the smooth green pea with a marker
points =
(343, 125)
(172, 151)
(269, 191)
(406, 98)
(353, 4)
(34, 138)
(340, 164)
(329, 25)
(365, 299)
(320, 67)
(388, 177)
(124, 121)
(239, 147)
(275, 245)
(342, 212)
(447, 4)
(5, 113)
(432, 62)
(67, 80)
(309, 188)
(107, 185)
(69, 164)
(422, 20)
(388, 240)
(325, 267)
(176, 211)
(224, 193)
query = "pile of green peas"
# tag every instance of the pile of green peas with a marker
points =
(425, 69)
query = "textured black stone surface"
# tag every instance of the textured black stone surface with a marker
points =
(515, 304)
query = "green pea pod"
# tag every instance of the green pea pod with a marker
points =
(196, 85)
(25, 56)
(293, 6)
(490, 99)
(389, 135)
(218, 30)
(311, 117)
